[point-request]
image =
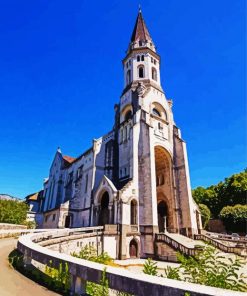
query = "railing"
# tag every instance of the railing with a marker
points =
(219, 245)
(118, 278)
(162, 237)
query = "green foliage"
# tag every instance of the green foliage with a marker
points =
(172, 273)
(90, 253)
(99, 289)
(30, 224)
(205, 213)
(12, 211)
(230, 192)
(55, 279)
(60, 277)
(211, 269)
(235, 217)
(150, 267)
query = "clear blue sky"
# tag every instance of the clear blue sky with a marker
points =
(61, 73)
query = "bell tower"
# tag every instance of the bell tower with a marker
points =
(153, 172)
(141, 63)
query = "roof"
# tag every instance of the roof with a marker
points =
(140, 31)
(69, 159)
(34, 196)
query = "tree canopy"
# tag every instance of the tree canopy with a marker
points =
(12, 211)
(231, 191)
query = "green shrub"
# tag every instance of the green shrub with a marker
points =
(210, 268)
(90, 253)
(150, 267)
(234, 218)
(101, 289)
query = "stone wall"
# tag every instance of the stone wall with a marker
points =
(11, 226)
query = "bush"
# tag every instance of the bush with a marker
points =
(150, 267)
(211, 269)
(205, 213)
(90, 253)
(234, 218)
(12, 211)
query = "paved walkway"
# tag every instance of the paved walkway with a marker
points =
(13, 283)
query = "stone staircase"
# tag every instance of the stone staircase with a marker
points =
(168, 244)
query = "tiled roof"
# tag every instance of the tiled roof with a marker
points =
(69, 158)
(140, 31)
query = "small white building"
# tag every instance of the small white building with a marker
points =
(135, 179)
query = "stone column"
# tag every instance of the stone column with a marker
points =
(78, 285)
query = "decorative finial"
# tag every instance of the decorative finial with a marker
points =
(59, 150)
(140, 9)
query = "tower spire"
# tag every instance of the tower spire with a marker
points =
(140, 36)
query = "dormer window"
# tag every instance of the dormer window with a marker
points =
(141, 72)
(140, 43)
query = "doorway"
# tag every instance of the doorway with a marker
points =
(133, 248)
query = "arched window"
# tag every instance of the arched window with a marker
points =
(133, 212)
(142, 57)
(104, 211)
(128, 115)
(138, 58)
(141, 72)
(128, 77)
(156, 112)
(154, 74)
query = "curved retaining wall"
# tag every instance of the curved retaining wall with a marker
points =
(119, 279)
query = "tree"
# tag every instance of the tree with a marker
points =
(234, 190)
(231, 191)
(208, 196)
(205, 213)
(234, 218)
(12, 211)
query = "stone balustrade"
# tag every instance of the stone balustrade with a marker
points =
(119, 279)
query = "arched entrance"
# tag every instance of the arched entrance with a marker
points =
(164, 190)
(104, 211)
(162, 216)
(133, 249)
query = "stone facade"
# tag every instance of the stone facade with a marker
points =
(136, 177)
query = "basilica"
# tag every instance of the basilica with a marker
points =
(134, 180)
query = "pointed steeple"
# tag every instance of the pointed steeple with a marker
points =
(140, 31)
(140, 36)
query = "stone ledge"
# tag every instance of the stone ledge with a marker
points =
(119, 279)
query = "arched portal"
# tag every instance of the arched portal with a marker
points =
(164, 190)
(133, 249)
(162, 216)
(104, 211)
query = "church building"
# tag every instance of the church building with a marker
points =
(134, 180)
